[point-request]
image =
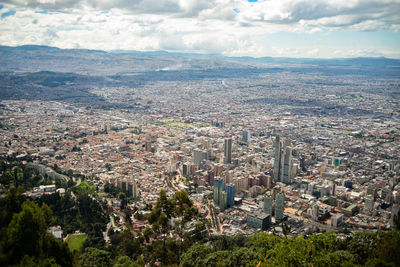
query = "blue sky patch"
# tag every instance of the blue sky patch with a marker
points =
(42, 12)
(236, 10)
(252, 1)
(8, 13)
(1, 6)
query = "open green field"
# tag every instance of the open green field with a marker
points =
(75, 242)
(86, 187)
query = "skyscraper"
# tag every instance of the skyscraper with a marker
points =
(369, 203)
(286, 175)
(246, 136)
(315, 212)
(230, 190)
(220, 190)
(228, 150)
(277, 160)
(223, 205)
(268, 205)
(218, 184)
(198, 156)
(279, 206)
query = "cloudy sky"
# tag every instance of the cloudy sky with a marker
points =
(279, 28)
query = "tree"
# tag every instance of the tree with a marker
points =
(195, 254)
(12, 204)
(26, 236)
(95, 257)
(126, 244)
(26, 231)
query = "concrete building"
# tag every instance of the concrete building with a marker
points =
(228, 150)
(268, 205)
(199, 156)
(337, 219)
(277, 159)
(230, 190)
(315, 212)
(279, 206)
(369, 204)
(259, 220)
(286, 175)
(395, 212)
(246, 136)
(218, 182)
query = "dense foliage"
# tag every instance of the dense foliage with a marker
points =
(176, 236)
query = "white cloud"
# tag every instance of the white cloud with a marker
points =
(193, 26)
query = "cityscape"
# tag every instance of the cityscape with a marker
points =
(185, 154)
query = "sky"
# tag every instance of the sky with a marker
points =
(257, 28)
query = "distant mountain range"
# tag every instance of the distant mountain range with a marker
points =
(30, 58)
(72, 75)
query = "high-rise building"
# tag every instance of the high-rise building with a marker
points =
(395, 212)
(218, 169)
(286, 175)
(259, 220)
(186, 169)
(315, 212)
(268, 205)
(135, 190)
(223, 204)
(220, 190)
(277, 160)
(279, 206)
(337, 219)
(246, 136)
(199, 156)
(130, 189)
(369, 203)
(218, 187)
(124, 186)
(228, 150)
(230, 190)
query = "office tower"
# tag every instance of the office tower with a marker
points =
(130, 189)
(279, 206)
(185, 169)
(223, 205)
(228, 150)
(220, 190)
(395, 212)
(303, 164)
(268, 205)
(199, 156)
(217, 169)
(216, 185)
(337, 219)
(230, 190)
(315, 212)
(286, 175)
(369, 203)
(259, 220)
(124, 186)
(246, 136)
(135, 190)
(277, 160)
